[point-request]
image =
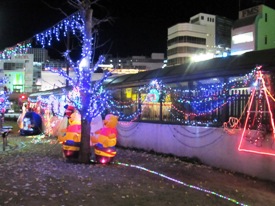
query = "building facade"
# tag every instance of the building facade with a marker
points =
(21, 72)
(204, 34)
(134, 64)
(254, 30)
(39, 54)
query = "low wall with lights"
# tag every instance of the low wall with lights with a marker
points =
(215, 147)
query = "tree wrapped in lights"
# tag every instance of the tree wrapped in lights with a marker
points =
(92, 98)
(4, 95)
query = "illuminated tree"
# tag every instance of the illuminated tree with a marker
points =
(92, 97)
(4, 95)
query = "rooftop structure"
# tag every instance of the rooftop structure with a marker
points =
(204, 34)
(254, 30)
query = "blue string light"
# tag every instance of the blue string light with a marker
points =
(182, 183)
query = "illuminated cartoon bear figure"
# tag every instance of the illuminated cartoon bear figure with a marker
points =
(72, 136)
(105, 140)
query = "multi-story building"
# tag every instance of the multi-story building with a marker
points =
(40, 55)
(254, 30)
(204, 34)
(21, 71)
(134, 64)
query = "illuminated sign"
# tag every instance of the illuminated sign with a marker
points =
(128, 92)
(243, 38)
(152, 96)
(25, 56)
(250, 12)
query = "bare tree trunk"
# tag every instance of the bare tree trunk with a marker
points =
(85, 150)
(84, 153)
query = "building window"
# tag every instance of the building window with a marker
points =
(180, 50)
(193, 21)
(178, 61)
(186, 39)
(265, 39)
(202, 17)
(13, 66)
(243, 38)
(265, 17)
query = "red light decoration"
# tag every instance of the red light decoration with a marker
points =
(263, 93)
(23, 97)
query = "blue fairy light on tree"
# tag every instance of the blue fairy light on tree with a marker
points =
(92, 98)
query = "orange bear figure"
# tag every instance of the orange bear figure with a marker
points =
(107, 136)
(73, 131)
(105, 140)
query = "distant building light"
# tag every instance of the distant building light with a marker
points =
(243, 38)
(202, 57)
(106, 65)
(225, 54)
(240, 52)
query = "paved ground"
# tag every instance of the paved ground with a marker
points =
(33, 172)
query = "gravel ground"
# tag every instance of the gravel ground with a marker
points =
(34, 172)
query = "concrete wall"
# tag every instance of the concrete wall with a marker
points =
(213, 146)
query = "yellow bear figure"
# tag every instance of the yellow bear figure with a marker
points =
(105, 140)
(73, 131)
(107, 136)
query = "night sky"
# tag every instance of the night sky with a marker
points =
(136, 27)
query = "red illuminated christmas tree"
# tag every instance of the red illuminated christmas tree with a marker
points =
(259, 119)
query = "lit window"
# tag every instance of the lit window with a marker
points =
(243, 38)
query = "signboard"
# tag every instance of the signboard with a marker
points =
(250, 12)
(22, 57)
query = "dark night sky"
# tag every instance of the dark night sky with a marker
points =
(139, 27)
